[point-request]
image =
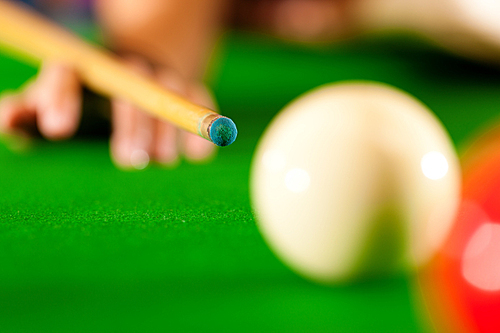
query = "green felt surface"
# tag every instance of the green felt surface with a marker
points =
(85, 247)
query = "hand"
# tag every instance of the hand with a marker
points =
(52, 103)
(137, 137)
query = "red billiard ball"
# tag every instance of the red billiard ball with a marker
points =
(461, 286)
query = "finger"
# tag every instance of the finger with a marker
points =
(15, 115)
(196, 148)
(131, 140)
(122, 118)
(166, 151)
(58, 99)
(133, 130)
(142, 139)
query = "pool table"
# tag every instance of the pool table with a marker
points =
(85, 247)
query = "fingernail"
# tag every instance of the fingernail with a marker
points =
(167, 155)
(122, 152)
(56, 125)
(169, 161)
(199, 150)
(139, 159)
(53, 121)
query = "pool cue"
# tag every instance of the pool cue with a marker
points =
(31, 34)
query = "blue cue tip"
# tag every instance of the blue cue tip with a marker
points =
(223, 131)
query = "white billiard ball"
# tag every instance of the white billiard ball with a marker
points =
(354, 179)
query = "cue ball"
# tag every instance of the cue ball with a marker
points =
(353, 180)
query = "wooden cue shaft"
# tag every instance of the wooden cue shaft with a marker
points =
(98, 68)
